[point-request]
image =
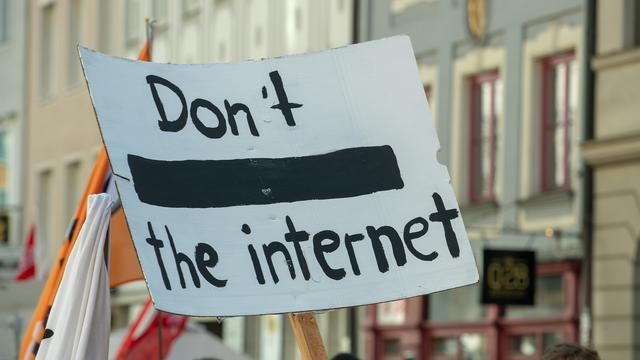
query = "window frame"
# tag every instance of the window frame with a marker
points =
(74, 33)
(494, 326)
(5, 23)
(548, 64)
(47, 52)
(567, 322)
(132, 34)
(428, 91)
(474, 85)
(44, 219)
(190, 7)
(73, 178)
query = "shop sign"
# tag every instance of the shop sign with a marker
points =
(509, 277)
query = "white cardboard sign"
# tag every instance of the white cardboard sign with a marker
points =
(298, 183)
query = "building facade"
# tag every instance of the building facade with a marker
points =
(12, 122)
(15, 304)
(505, 82)
(613, 153)
(63, 134)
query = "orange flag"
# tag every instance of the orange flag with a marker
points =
(123, 263)
(35, 330)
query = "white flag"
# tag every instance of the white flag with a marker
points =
(79, 324)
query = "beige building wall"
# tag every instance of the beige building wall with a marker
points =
(63, 138)
(614, 155)
(62, 132)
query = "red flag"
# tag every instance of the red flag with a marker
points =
(141, 341)
(27, 266)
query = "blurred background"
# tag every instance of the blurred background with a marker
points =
(536, 105)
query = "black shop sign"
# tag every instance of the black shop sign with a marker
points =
(509, 277)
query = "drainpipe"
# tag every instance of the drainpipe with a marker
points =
(353, 323)
(587, 225)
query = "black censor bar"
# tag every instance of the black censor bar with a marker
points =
(257, 181)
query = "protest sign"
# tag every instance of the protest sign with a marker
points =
(298, 183)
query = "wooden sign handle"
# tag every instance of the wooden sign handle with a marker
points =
(308, 336)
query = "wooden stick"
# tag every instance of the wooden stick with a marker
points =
(308, 336)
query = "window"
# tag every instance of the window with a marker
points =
(559, 105)
(258, 39)
(104, 26)
(297, 20)
(532, 346)
(428, 92)
(132, 22)
(391, 313)
(391, 346)
(190, 7)
(459, 304)
(297, 25)
(400, 6)
(75, 29)
(471, 346)
(527, 331)
(3, 172)
(636, 24)
(257, 36)
(160, 10)
(4, 22)
(222, 32)
(453, 325)
(44, 208)
(72, 189)
(3, 148)
(484, 104)
(46, 52)
(4, 222)
(549, 301)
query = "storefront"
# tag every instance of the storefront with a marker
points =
(454, 325)
(504, 79)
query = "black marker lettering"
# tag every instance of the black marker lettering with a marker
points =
(180, 258)
(283, 101)
(257, 268)
(203, 250)
(445, 216)
(378, 250)
(409, 236)
(232, 110)
(157, 244)
(163, 123)
(296, 237)
(273, 248)
(320, 249)
(215, 132)
(349, 239)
